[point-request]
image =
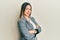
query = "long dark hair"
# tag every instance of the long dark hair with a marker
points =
(23, 7)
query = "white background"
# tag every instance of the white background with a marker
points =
(46, 13)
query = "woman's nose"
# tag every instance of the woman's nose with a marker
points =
(28, 10)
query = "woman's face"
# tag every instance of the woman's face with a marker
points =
(28, 10)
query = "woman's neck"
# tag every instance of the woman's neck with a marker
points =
(28, 19)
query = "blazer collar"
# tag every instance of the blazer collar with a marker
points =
(25, 18)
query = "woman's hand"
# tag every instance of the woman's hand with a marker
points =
(32, 31)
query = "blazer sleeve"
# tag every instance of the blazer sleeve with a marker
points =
(24, 30)
(39, 28)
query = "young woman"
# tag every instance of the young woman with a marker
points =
(28, 27)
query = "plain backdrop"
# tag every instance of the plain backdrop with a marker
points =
(46, 13)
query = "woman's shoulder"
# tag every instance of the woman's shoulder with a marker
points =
(22, 19)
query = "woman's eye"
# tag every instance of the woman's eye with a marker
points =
(28, 9)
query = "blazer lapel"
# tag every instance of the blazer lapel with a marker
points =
(29, 25)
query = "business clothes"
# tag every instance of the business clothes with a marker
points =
(25, 26)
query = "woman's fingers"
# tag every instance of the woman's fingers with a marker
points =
(32, 31)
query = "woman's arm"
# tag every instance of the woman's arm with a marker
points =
(38, 27)
(25, 31)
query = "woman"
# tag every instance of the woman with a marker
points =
(27, 25)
